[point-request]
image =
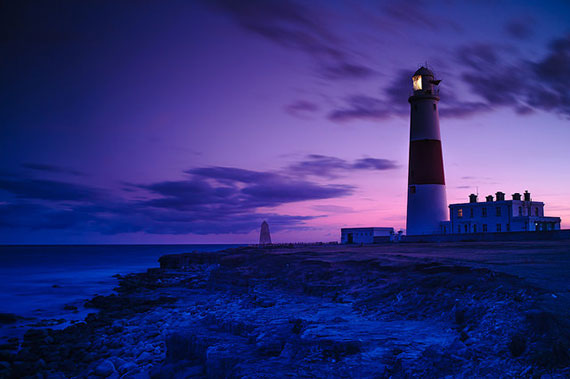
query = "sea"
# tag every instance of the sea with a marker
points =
(38, 282)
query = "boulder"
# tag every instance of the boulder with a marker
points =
(221, 361)
(145, 356)
(517, 344)
(8, 318)
(127, 367)
(105, 369)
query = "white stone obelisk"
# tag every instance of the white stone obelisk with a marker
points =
(264, 235)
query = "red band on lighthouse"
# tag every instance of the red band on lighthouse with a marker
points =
(426, 163)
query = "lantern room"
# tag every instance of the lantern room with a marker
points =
(423, 81)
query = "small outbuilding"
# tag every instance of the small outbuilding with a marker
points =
(366, 235)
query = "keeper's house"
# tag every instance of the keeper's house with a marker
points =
(499, 215)
(366, 235)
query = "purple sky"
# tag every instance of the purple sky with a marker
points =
(191, 122)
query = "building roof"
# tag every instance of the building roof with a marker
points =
(494, 202)
(424, 72)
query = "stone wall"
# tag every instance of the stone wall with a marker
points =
(492, 237)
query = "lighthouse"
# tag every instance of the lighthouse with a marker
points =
(427, 202)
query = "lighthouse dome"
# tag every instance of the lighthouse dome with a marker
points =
(424, 72)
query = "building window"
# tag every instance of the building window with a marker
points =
(466, 228)
(536, 212)
(498, 227)
(458, 228)
(475, 228)
(484, 212)
(508, 227)
(520, 211)
(498, 211)
(413, 189)
(484, 227)
(471, 212)
(460, 212)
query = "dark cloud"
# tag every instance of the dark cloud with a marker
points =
(503, 87)
(452, 107)
(362, 107)
(395, 104)
(319, 165)
(210, 200)
(24, 215)
(187, 194)
(51, 168)
(412, 13)
(495, 73)
(235, 224)
(346, 70)
(524, 110)
(552, 91)
(478, 56)
(29, 188)
(285, 22)
(277, 193)
(232, 174)
(398, 91)
(498, 84)
(333, 167)
(296, 26)
(503, 79)
(329, 208)
(267, 188)
(417, 15)
(521, 28)
(237, 190)
(301, 108)
(462, 109)
(374, 164)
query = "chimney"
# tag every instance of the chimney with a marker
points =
(526, 196)
(472, 198)
(500, 196)
(489, 199)
(516, 196)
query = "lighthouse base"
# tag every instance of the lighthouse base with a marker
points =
(427, 208)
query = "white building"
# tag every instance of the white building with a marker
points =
(499, 215)
(366, 235)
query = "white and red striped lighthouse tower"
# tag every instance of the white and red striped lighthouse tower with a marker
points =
(427, 202)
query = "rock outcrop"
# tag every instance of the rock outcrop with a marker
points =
(331, 311)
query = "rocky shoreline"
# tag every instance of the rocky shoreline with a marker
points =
(309, 312)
